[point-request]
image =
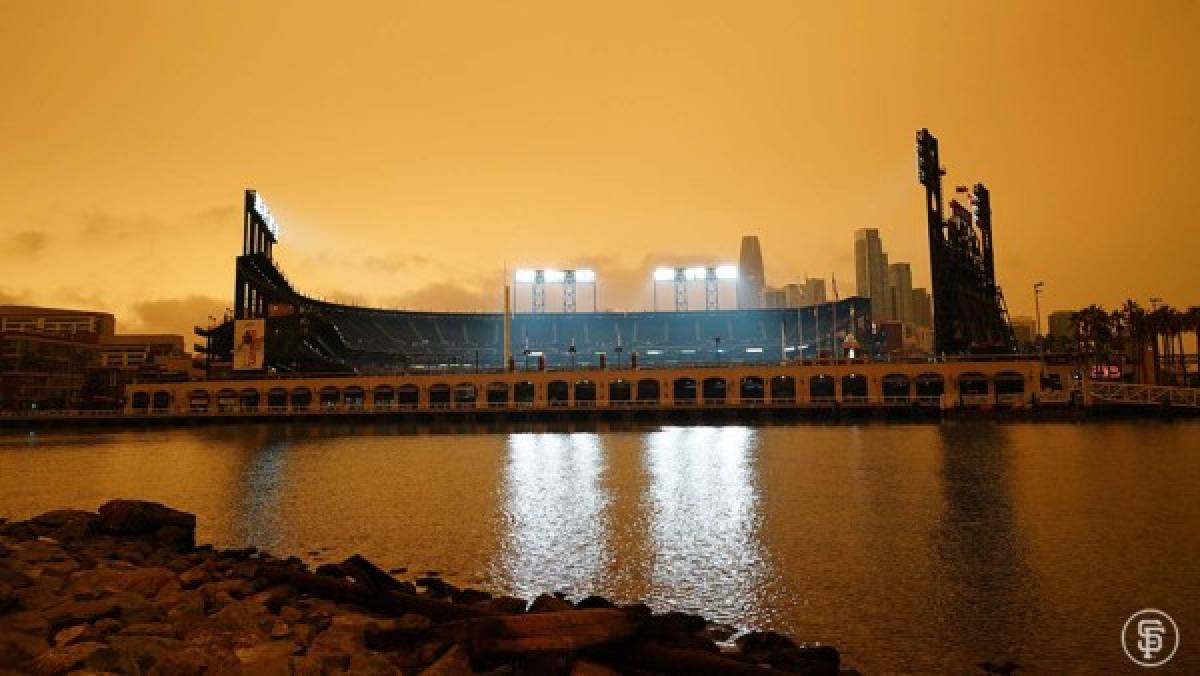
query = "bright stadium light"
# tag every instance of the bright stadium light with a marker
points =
(726, 272)
(694, 274)
(555, 276)
(664, 274)
(585, 276)
(525, 276)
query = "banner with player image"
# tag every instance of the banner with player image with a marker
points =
(249, 344)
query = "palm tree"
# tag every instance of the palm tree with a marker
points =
(1192, 318)
(1133, 317)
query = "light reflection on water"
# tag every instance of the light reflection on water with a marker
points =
(555, 524)
(913, 547)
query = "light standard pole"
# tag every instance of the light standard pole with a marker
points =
(1037, 310)
(212, 321)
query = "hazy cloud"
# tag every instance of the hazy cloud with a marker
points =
(396, 262)
(221, 214)
(80, 299)
(100, 226)
(174, 315)
(24, 244)
(446, 296)
(14, 297)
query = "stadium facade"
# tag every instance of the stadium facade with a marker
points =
(275, 328)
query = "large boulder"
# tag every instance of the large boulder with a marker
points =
(142, 518)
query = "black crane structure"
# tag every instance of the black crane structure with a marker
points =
(969, 312)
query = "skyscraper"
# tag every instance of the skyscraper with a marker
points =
(751, 278)
(871, 272)
(900, 292)
(922, 307)
(814, 290)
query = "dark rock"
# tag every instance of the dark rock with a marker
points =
(715, 631)
(436, 587)
(509, 605)
(159, 629)
(454, 663)
(549, 604)
(63, 659)
(469, 596)
(595, 602)
(1002, 667)
(18, 648)
(7, 598)
(761, 644)
(673, 623)
(130, 608)
(14, 573)
(138, 517)
(638, 611)
(687, 642)
(366, 573)
(80, 633)
(782, 653)
(330, 570)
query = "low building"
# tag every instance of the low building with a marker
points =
(1024, 330)
(60, 358)
(905, 338)
(44, 371)
(1060, 325)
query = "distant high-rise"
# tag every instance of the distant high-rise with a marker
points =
(751, 278)
(900, 292)
(871, 271)
(814, 290)
(922, 307)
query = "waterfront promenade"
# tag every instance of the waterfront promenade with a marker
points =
(1011, 383)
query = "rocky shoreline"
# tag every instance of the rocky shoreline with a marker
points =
(126, 590)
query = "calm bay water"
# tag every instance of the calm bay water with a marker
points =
(912, 547)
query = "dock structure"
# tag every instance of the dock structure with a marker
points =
(1007, 382)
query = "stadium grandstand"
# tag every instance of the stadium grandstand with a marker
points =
(306, 335)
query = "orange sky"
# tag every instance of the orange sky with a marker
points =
(410, 149)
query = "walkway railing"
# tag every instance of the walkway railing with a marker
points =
(1142, 395)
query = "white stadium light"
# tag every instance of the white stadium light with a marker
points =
(726, 272)
(524, 276)
(555, 276)
(694, 274)
(264, 213)
(664, 274)
(585, 276)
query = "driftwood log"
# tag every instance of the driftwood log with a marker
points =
(562, 631)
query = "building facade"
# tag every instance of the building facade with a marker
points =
(751, 275)
(871, 271)
(900, 292)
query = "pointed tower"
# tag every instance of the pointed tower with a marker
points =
(751, 278)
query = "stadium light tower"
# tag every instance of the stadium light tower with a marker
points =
(679, 276)
(539, 278)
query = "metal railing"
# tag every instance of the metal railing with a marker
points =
(1142, 395)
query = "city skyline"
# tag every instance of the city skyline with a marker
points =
(125, 160)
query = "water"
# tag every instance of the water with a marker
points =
(912, 547)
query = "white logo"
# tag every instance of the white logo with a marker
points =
(1150, 638)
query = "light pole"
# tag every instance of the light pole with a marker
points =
(1037, 310)
(717, 343)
